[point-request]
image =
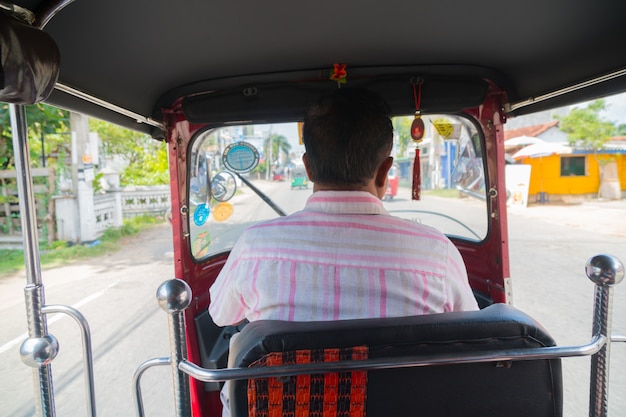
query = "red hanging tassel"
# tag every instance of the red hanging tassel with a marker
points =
(417, 176)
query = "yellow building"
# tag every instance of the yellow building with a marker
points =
(573, 176)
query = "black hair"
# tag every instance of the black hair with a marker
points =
(347, 135)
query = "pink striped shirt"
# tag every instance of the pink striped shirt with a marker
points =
(342, 257)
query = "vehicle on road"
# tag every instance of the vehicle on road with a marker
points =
(452, 72)
(393, 181)
(299, 178)
(278, 174)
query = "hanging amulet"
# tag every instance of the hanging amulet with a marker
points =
(417, 128)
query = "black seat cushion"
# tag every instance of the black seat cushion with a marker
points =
(521, 388)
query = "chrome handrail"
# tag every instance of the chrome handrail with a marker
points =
(551, 352)
(174, 296)
(509, 107)
(107, 105)
(90, 391)
(604, 270)
(137, 380)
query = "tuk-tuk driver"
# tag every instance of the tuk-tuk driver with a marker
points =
(343, 256)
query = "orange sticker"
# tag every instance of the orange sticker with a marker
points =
(222, 211)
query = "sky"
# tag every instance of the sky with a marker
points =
(288, 130)
(616, 111)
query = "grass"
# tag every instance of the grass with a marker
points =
(60, 253)
(450, 192)
(441, 192)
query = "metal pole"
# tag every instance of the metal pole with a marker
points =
(40, 348)
(605, 271)
(25, 193)
(174, 296)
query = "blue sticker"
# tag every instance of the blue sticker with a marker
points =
(201, 214)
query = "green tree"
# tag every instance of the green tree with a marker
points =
(586, 128)
(621, 129)
(402, 128)
(44, 122)
(149, 167)
(279, 143)
(146, 158)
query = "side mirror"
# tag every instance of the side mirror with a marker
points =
(223, 186)
(29, 62)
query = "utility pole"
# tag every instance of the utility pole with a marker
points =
(82, 176)
(270, 157)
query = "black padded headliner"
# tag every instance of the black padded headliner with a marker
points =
(291, 99)
(139, 55)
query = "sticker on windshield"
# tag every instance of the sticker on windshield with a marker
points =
(201, 214)
(222, 212)
(201, 244)
(240, 157)
(446, 129)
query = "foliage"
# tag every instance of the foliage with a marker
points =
(60, 253)
(149, 167)
(43, 121)
(145, 157)
(621, 129)
(96, 183)
(586, 128)
(115, 139)
(279, 143)
(402, 128)
(260, 169)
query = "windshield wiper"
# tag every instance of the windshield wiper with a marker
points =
(265, 198)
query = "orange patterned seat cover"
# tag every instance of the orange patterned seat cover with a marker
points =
(337, 394)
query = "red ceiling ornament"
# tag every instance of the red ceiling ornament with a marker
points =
(417, 127)
(417, 133)
(339, 73)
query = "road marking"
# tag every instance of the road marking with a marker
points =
(18, 340)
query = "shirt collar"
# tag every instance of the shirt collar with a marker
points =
(345, 202)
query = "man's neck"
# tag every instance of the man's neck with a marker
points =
(370, 187)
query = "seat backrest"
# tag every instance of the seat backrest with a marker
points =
(520, 388)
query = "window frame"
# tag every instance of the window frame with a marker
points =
(573, 174)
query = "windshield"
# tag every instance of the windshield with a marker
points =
(240, 175)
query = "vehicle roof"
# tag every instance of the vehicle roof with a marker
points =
(142, 56)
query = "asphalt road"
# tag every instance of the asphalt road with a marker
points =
(549, 246)
(116, 293)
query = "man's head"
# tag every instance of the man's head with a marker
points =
(348, 136)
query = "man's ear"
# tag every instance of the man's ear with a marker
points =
(305, 161)
(383, 170)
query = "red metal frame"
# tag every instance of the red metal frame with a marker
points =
(487, 262)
